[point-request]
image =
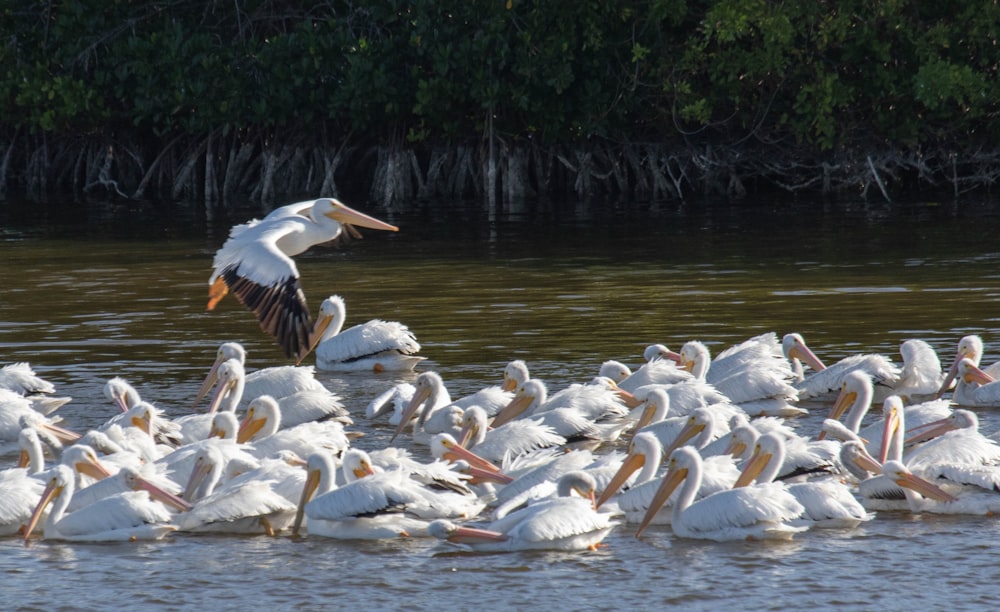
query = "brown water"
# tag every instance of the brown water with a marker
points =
(93, 292)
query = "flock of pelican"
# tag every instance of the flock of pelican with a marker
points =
(711, 447)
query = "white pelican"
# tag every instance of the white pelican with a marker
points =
(238, 506)
(562, 523)
(222, 435)
(975, 387)
(276, 381)
(795, 350)
(509, 440)
(375, 346)
(879, 368)
(514, 373)
(21, 379)
(372, 505)
(921, 376)
(255, 263)
(135, 515)
(121, 393)
(752, 374)
(828, 503)
(749, 513)
(656, 371)
(800, 459)
(969, 347)
(17, 411)
(644, 454)
(261, 428)
(583, 414)
(20, 487)
(436, 412)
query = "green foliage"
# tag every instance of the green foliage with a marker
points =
(822, 74)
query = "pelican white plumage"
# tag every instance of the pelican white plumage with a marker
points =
(21, 379)
(514, 373)
(969, 347)
(975, 386)
(222, 435)
(372, 505)
(564, 523)
(879, 368)
(762, 512)
(20, 487)
(261, 428)
(921, 376)
(276, 381)
(645, 453)
(248, 505)
(255, 263)
(509, 440)
(436, 412)
(800, 458)
(16, 411)
(828, 503)
(134, 515)
(657, 370)
(375, 346)
(753, 374)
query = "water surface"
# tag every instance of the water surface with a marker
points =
(91, 292)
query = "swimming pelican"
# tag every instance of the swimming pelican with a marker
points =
(879, 368)
(436, 412)
(656, 371)
(16, 411)
(21, 379)
(644, 454)
(255, 263)
(135, 515)
(975, 387)
(564, 522)
(752, 374)
(969, 347)
(237, 506)
(828, 503)
(276, 381)
(921, 376)
(795, 350)
(750, 513)
(509, 440)
(375, 346)
(20, 487)
(514, 373)
(261, 428)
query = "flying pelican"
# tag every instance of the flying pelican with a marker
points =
(276, 381)
(134, 515)
(261, 428)
(375, 346)
(749, 513)
(237, 506)
(255, 263)
(564, 522)
(828, 503)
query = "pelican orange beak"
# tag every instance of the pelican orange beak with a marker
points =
(163, 496)
(509, 384)
(844, 400)
(633, 462)
(308, 490)
(120, 402)
(454, 452)
(419, 397)
(929, 431)
(685, 364)
(889, 428)
(143, 423)
(646, 417)
(690, 430)
(670, 482)
(925, 488)
(804, 354)
(866, 462)
(630, 400)
(512, 410)
(220, 392)
(198, 473)
(971, 373)
(249, 427)
(65, 436)
(347, 215)
(210, 379)
(473, 535)
(319, 328)
(468, 429)
(365, 469)
(52, 490)
(23, 459)
(478, 475)
(93, 468)
(753, 468)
